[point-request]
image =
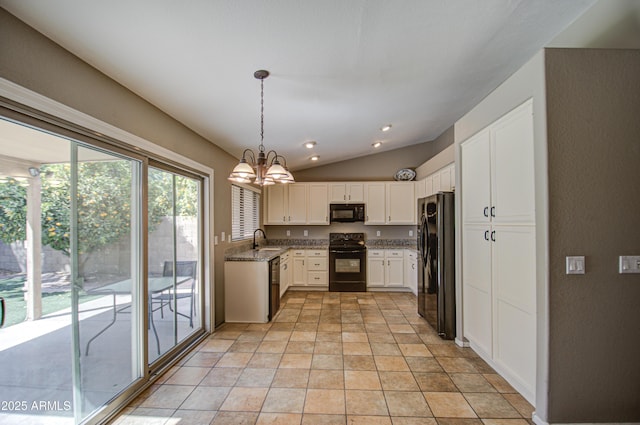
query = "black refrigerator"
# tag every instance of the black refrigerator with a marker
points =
(436, 269)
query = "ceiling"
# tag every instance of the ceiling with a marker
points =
(340, 69)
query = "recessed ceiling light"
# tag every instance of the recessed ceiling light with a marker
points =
(310, 144)
(315, 158)
(386, 127)
(376, 144)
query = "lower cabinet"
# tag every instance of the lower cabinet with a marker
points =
(310, 267)
(385, 268)
(411, 270)
(285, 273)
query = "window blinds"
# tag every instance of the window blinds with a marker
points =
(245, 212)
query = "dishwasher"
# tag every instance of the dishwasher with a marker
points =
(274, 287)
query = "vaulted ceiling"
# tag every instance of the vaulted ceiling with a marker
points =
(340, 69)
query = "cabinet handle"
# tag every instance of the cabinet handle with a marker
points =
(389, 218)
(289, 218)
(344, 197)
(493, 211)
(349, 197)
(493, 236)
(486, 235)
(284, 219)
(413, 266)
(388, 262)
(486, 212)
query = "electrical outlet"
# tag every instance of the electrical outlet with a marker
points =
(222, 236)
(305, 233)
(229, 238)
(410, 232)
(377, 232)
(215, 240)
(288, 232)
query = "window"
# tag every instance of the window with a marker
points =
(245, 212)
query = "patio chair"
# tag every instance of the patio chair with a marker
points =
(183, 269)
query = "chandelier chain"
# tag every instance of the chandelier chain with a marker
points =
(262, 114)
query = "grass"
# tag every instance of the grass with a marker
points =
(16, 306)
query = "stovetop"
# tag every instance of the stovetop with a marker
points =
(351, 240)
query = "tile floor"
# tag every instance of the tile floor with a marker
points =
(331, 358)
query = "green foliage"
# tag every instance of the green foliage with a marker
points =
(104, 202)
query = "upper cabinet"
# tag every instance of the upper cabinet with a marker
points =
(442, 180)
(346, 192)
(298, 203)
(375, 200)
(318, 205)
(390, 203)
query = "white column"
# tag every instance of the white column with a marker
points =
(34, 249)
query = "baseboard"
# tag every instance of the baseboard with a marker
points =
(462, 343)
(536, 419)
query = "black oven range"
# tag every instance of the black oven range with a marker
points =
(347, 262)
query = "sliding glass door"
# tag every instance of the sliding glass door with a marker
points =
(174, 283)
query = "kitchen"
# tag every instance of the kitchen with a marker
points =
(569, 313)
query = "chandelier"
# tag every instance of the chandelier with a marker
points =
(264, 169)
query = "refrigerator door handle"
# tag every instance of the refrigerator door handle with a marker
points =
(424, 239)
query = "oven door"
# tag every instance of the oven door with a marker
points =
(347, 270)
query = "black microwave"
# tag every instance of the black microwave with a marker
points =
(346, 213)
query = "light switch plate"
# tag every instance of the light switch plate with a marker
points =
(410, 233)
(575, 264)
(222, 236)
(305, 233)
(377, 232)
(629, 264)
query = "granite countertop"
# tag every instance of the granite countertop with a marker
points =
(260, 254)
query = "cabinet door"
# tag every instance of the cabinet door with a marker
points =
(355, 192)
(337, 192)
(445, 179)
(299, 275)
(276, 204)
(401, 203)
(476, 175)
(375, 203)
(476, 286)
(512, 167)
(318, 212)
(514, 314)
(375, 268)
(297, 203)
(428, 186)
(420, 189)
(394, 272)
(284, 277)
(436, 187)
(411, 271)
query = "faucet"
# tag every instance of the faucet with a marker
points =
(255, 245)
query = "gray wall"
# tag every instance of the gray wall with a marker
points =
(379, 166)
(33, 61)
(593, 105)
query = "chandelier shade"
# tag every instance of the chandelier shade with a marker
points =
(264, 169)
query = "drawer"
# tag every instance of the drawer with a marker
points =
(394, 253)
(298, 252)
(379, 253)
(317, 278)
(317, 264)
(412, 255)
(316, 253)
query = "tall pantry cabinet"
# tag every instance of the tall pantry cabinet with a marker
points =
(498, 246)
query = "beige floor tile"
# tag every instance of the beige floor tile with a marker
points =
(315, 419)
(399, 420)
(435, 382)
(328, 347)
(235, 418)
(300, 347)
(217, 345)
(359, 362)
(491, 405)
(472, 383)
(330, 327)
(423, 364)
(264, 327)
(295, 361)
(327, 379)
(329, 336)
(279, 419)
(291, 378)
(368, 420)
(168, 397)
(241, 399)
(407, 338)
(325, 402)
(365, 402)
(415, 350)
(285, 400)
(192, 417)
(459, 421)
(206, 398)
(265, 360)
(252, 336)
(505, 422)
(203, 359)
(327, 361)
(353, 327)
(385, 349)
(362, 380)
(234, 360)
(354, 337)
(391, 363)
(259, 377)
(272, 347)
(398, 381)
(356, 348)
(274, 335)
(244, 346)
(303, 336)
(407, 403)
(222, 377)
(520, 404)
(188, 376)
(401, 328)
(499, 383)
(456, 365)
(147, 416)
(449, 405)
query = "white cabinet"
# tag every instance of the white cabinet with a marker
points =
(297, 203)
(385, 268)
(411, 270)
(390, 203)
(442, 180)
(285, 272)
(498, 245)
(346, 192)
(318, 206)
(401, 203)
(277, 204)
(310, 267)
